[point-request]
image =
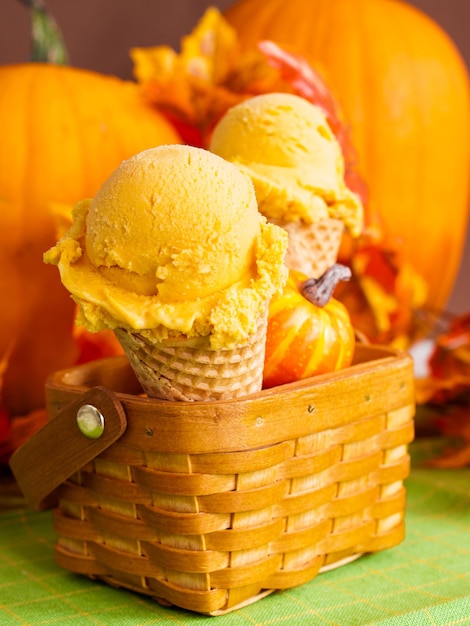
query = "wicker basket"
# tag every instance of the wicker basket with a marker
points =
(210, 506)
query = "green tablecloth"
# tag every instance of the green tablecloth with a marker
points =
(425, 580)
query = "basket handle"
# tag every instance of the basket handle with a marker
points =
(75, 436)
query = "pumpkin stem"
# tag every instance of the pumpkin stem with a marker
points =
(47, 42)
(318, 291)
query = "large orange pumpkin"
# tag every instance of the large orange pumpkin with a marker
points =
(63, 131)
(404, 90)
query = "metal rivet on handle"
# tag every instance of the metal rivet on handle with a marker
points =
(90, 421)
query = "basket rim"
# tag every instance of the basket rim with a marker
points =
(367, 356)
(371, 387)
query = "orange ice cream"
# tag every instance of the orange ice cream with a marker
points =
(173, 245)
(284, 143)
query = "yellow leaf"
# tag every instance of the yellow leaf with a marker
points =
(159, 62)
(211, 50)
(381, 303)
(210, 75)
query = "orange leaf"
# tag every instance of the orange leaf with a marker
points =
(96, 345)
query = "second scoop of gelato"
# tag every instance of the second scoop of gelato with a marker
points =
(288, 149)
(173, 244)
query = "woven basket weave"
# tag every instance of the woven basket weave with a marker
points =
(212, 505)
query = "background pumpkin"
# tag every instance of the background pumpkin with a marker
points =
(404, 90)
(64, 130)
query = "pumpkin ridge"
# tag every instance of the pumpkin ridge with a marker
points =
(65, 83)
(288, 338)
(420, 164)
(341, 329)
(11, 222)
(423, 162)
(319, 343)
(321, 16)
(366, 163)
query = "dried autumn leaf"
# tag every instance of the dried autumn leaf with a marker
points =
(210, 75)
(449, 363)
(162, 74)
(383, 295)
(452, 353)
(95, 345)
(211, 50)
(445, 391)
(191, 85)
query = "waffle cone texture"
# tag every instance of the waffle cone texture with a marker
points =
(189, 370)
(313, 248)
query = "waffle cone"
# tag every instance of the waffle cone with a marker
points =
(189, 370)
(313, 248)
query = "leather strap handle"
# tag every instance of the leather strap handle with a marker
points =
(75, 436)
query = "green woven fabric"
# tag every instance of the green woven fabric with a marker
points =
(425, 580)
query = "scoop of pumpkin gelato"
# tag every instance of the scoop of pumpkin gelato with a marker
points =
(284, 143)
(173, 244)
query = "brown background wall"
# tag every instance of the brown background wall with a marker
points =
(99, 34)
